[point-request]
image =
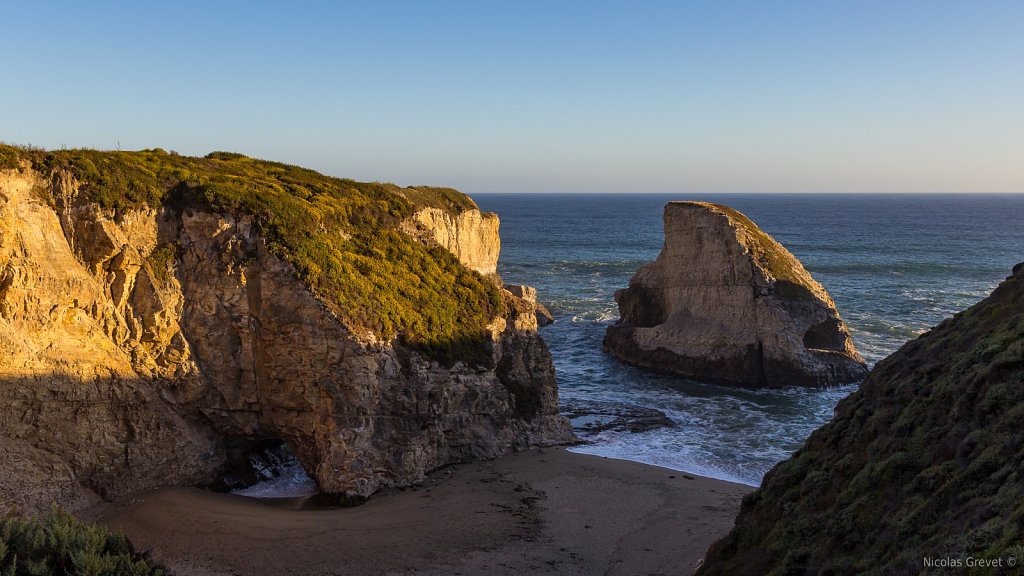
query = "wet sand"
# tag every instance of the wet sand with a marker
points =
(539, 512)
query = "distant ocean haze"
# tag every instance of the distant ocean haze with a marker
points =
(895, 265)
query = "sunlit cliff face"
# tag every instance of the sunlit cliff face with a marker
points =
(125, 368)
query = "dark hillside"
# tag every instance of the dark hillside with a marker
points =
(925, 461)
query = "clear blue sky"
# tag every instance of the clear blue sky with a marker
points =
(548, 96)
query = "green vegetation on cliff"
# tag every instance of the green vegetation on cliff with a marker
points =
(60, 544)
(8, 157)
(341, 236)
(925, 460)
(448, 199)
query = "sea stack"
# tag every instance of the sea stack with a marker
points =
(724, 302)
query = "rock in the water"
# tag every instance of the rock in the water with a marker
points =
(724, 302)
(591, 417)
(544, 316)
(529, 293)
(922, 464)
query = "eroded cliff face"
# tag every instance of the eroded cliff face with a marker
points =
(925, 460)
(138, 352)
(87, 346)
(724, 302)
(471, 235)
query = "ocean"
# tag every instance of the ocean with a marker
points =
(895, 265)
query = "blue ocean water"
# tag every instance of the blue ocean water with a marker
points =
(895, 265)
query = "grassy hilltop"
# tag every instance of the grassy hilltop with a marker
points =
(341, 236)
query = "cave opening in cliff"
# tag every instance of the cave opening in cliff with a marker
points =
(264, 468)
(827, 335)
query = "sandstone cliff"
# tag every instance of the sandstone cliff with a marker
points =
(471, 235)
(143, 346)
(924, 461)
(724, 302)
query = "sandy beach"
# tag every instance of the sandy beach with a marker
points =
(538, 512)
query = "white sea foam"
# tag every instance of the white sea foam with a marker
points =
(890, 264)
(291, 482)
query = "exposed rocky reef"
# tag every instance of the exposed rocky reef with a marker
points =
(925, 462)
(143, 346)
(590, 418)
(726, 303)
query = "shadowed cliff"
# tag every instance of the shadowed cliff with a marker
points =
(924, 461)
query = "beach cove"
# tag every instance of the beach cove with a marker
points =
(540, 511)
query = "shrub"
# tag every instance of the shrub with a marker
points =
(8, 158)
(59, 544)
(161, 261)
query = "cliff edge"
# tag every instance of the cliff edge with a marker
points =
(161, 316)
(726, 303)
(919, 470)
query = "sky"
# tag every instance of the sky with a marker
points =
(547, 96)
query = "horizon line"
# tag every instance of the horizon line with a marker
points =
(836, 193)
